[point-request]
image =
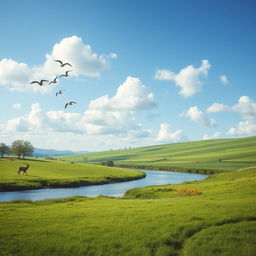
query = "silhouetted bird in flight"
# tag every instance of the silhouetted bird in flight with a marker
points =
(66, 74)
(63, 64)
(54, 81)
(40, 83)
(59, 92)
(70, 103)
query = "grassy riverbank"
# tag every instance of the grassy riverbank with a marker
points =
(48, 173)
(198, 156)
(213, 217)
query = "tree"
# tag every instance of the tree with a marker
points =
(22, 148)
(108, 163)
(3, 149)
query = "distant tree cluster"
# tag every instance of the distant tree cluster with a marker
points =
(108, 163)
(20, 148)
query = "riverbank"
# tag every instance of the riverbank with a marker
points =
(56, 174)
(212, 217)
(110, 190)
(171, 169)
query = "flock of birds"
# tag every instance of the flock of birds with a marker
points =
(54, 81)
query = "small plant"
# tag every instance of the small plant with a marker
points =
(188, 192)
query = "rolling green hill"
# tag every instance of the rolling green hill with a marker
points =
(48, 173)
(216, 155)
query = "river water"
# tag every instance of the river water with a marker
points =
(114, 190)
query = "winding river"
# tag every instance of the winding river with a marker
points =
(114, 190)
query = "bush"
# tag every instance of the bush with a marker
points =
(188, 192)
(108, 163)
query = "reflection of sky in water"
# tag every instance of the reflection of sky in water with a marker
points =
(115, 190)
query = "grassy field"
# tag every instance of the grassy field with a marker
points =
(213, 217)
(216, 216)
(48, 173)
(210, 155)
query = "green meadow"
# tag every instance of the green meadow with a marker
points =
(213, 217)
(210, 155)
(216, 216)
(47, 173)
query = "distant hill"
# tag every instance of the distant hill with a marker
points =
(39, 152)
(218, 154)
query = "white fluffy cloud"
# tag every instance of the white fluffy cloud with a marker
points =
(247, 109)
(132, 95)
(196, 115)
(246, 128)
(16, 76)
(165, 134)
(105, 115)
(217, 107)
(116, 114)
(189, 79)
(38, 121)
(216, 135)
(224, 79)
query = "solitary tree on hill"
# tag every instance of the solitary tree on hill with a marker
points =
(3, 149)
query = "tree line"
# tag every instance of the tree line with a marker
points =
(20, 148)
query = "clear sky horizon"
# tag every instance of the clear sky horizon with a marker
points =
(143, 72)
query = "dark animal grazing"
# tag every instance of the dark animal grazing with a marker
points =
(23, 169)
(54, 81)
(40, 83)
(70, 103)
(59, 92)
(63, 64)
(66, 74)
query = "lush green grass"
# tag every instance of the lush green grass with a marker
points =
(216, 216)
(199, 155)
(47, 173)
(213, 217)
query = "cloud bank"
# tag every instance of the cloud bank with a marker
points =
(105, 115)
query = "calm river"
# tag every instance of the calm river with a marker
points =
(115, 190)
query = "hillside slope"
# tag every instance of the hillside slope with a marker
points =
(220, 154)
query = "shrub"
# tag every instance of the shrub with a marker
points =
(108, 163)
(188, 192)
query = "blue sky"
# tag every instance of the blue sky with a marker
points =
(143, 72)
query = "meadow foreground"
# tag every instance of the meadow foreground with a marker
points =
(216, 216)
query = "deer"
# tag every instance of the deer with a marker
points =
(23, 169)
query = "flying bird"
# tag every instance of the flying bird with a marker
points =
(59, 92)
(40, 83)
(54, 81)
(66, 74)
(63, 64)
(70, 103)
